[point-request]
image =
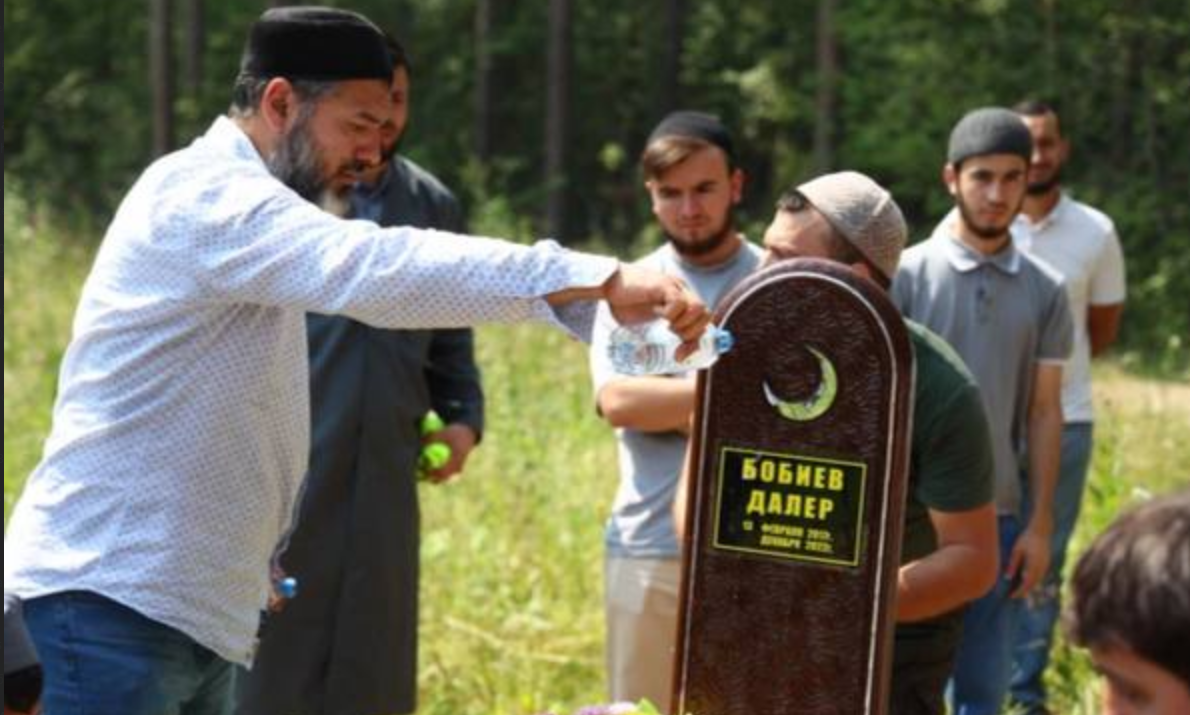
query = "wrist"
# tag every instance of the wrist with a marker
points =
(1042, 523)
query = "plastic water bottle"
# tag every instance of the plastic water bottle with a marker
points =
(649, 348)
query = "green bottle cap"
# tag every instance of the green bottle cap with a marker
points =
(431, 423)
(434, 455)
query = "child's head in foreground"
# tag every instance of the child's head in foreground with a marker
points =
(1131, 608)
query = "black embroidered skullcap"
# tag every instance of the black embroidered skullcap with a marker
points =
(695, 125)
(990, 130)
(317, 43)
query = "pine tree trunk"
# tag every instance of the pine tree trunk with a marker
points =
(671, 58)
(483, 80)
(196, 41)
(824, 102)
(161, 71)
(557, 117)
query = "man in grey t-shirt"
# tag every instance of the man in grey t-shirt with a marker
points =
(1008, 318)
(693, 185)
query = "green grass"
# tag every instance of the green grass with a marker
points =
(512, 582)
(42, 279)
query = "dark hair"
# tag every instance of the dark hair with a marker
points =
(1132, 586)
(1034, 108)
(22, 689)
(249, 90)
(396, 53)
(665, 153)
(841, 249)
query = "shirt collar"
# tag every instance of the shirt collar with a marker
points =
(965, 259)
(224, 134)
(725, 264)
(1053, 217)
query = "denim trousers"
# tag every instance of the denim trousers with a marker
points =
(103, 658)
(1036, 629)
(983, 664)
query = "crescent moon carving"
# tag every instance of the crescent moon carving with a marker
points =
(815, 405)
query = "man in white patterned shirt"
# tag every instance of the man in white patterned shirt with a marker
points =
(181, 430)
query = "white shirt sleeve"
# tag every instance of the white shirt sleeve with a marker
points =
(1107, 285)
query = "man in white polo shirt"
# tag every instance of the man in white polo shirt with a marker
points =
(1080, 243)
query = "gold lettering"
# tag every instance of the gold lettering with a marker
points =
(774, 503)
(768, 471)
(793, 505)
(818, 546)
(804, 474)
(748, 469)
(836, 481)
(812, 507)
(756, 502)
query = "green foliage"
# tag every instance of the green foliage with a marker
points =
(77, 128)
(42, 278)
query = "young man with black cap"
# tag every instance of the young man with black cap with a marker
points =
(142, 542)
(348, 646)
(948, 554)
(693, 185)
(1008, 317)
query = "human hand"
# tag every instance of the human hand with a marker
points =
(1029, 561)
(636, 295)
(461, 439)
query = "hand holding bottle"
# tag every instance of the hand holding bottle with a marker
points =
(652, 349)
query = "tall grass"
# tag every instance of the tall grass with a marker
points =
(512, 552)
(43, 274)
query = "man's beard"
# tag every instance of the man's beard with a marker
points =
(697, 248)
(297, 165)
(985, 231)
(1041, 188)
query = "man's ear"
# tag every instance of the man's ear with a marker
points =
(651, 189)
(278, 104)
(862, 269)
(738, 179)
(950, 177)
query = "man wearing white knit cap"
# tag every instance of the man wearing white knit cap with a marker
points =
(948, 554)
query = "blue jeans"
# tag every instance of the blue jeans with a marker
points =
(1035, 633)
(983, 664)
(102, 658)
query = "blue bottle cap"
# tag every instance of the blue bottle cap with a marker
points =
(724, 340)
(287, 587)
